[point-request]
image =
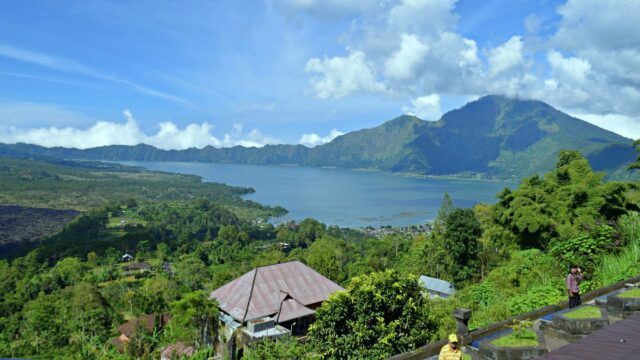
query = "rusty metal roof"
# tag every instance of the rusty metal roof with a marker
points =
(292, 309)
(178, 350)
(147, 321)
(618, 341)
(259, 292)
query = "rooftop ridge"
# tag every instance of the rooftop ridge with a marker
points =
(253, 283)
(286, 262)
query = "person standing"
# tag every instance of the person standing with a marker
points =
(573, 285)
(451, 351)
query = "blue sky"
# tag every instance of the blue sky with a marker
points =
(223, 73)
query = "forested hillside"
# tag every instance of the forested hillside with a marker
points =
(493, 137)
(47, 193)
(66, 298)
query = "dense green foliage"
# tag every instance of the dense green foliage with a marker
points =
(66, 298)
(87, 185)
(561, 204)
(378, 315)
(286, 348)
(492, 137)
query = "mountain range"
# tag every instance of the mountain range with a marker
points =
(492, 137)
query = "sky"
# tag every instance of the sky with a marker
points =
(179, 74)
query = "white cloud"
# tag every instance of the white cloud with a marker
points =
(342, 76)
(425, 107)
(572, 69)
(253, 139)
(601, 24)
(506, 56)
(605, 35)
(103, 133)
(427, 17)
(408, 48)
(621, 124)
(311, 140)
(404, 63)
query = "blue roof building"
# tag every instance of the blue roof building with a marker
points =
(436, 287)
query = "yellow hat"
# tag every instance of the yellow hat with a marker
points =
(453, 338)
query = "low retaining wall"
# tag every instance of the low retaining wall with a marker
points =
(622, 306)
(572, 329)
(434, 348)
(489, 351)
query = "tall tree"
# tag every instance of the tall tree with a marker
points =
(378, 315)
(562, 203)
(461, 239)
(195, 318)
(446, 207)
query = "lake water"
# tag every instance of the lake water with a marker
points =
(346, 198)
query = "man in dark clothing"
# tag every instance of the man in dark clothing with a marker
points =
(573, 285)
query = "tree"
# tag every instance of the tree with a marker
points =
(92, 259)
(446, 207)
(309, 230)
(131, 203)
(42, 330)
(195, 318)
(156, 294)
(496, 242)
(228, 234)
(90, 313)
(562, 203)
(191, 272)
(462, 232)
(325, 257)
(285, 348)
(161, 251)
(378, 315)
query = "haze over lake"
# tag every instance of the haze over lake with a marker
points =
(346, 198)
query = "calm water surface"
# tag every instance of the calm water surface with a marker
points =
(346, 198)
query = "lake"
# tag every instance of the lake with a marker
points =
(347, 198)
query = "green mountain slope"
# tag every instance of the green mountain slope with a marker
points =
(515, 138)
(494, 137)
(383, 147)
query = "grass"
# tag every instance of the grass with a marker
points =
(633, 293)
(585, 312)
(529, 339)
(466, 356)
(614, 268)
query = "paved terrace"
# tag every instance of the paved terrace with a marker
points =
(598, 345)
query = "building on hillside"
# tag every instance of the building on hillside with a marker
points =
(272, 301)
(167, 268)
(178, 350)
(129, 329)
(437, 288)
(136, 267)
(127, 257)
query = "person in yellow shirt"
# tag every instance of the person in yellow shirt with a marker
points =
(451, 351)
